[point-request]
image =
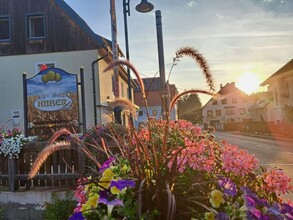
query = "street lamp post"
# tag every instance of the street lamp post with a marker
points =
(142, 7)
(164, 89)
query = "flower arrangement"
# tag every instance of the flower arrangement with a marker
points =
(174, 170)
(11, 142)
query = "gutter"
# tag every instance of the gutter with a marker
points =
(94, 84)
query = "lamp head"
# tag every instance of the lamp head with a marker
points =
(144, 6)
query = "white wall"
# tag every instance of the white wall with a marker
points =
(12, 67)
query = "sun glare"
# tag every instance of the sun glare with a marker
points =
(248, 82)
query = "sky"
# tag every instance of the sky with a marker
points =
(243, 41)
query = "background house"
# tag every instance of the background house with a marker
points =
(154, 100)
(36, 32)
(280, 85)
(229, 107)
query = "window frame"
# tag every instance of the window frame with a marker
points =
(242, 111)
(230, 112)
(48, 64)
(140, 113)
(9, 28)
(224, 101)
(218, 111)
(209, 111)
(28, 26)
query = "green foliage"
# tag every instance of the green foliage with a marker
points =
(60, 207)
(189, 108)
(1, 213)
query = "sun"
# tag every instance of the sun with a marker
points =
(248, 82)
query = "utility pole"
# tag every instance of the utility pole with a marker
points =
(114, 46)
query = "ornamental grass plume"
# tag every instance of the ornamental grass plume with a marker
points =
(174, 170)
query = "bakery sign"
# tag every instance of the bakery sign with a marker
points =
(52, 95)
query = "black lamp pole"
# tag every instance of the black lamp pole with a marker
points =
(143, 7)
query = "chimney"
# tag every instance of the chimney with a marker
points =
(221, 86)
(233, 84)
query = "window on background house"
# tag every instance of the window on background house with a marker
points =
(154, 113)
(218, 112)
(35, 26)
(224, 101)
(215, 101)
(140, 113)
(4, 28)
(210, 113)
(229, 112)
(242, 111)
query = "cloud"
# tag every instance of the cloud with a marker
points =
(191, 3)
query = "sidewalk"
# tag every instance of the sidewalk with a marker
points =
(267, 136)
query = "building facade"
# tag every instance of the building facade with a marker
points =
(50, 32)
(154, 100)
(280, 86)
(230, 105)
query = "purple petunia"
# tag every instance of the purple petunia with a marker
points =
(76, 216)
(121, 184)
(106, 164)
(228, 186)
(222, 216)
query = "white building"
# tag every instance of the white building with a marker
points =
(228, 107)
(280, 86)
(50, 32)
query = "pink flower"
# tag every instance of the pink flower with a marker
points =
(240, 162)
(276, 181)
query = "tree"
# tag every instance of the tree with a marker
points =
(189, 108)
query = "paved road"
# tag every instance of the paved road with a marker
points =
(270, 152)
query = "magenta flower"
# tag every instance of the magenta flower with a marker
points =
(276, 181)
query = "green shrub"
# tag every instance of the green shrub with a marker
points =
(60, 207)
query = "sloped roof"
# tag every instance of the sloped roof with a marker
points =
(101, 41)
(227, 89)
(150, 84)
(288, 66)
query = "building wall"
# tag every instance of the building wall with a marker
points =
(12, 68)
(282, 90)
(226, 110)
(61, 32)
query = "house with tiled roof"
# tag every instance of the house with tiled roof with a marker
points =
(49, 32)
(154, 100)
(229, 107)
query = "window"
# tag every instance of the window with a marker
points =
(218, 112)
(140, 113)
(215, 102)
(242, 111)
(229, 112)
(4, 29)
(154, 112)
(234, 100)
(224, 101)
(49, 65)
(36, 26)
(210, 113)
